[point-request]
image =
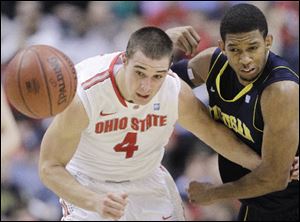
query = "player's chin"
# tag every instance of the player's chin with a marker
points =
(142, 100)
(249, 78)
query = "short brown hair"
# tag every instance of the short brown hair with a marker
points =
(153, 42)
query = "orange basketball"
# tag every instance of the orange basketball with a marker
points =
(40, 81)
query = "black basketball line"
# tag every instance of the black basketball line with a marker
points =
(45, 78)
(58, 54)
(19, 85)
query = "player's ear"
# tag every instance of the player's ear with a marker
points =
(222, 46)
(124, 58)
(269, 41)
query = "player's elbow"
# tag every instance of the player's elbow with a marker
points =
(280, 183)
(43, 172)
(46, 172)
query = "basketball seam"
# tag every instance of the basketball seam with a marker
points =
(19, 86)
(66, 67)
(47, 85)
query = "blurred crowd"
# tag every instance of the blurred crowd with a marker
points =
(86, 28)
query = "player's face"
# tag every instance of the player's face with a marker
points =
(144, 77)
(247, 54)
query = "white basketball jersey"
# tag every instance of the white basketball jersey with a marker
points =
(123, 141)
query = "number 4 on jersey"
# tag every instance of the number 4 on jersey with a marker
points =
(128, 145)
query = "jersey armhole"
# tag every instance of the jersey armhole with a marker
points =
(215, 57)
(85, 101)
(256, 110)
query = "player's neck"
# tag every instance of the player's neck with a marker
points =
(120, 81)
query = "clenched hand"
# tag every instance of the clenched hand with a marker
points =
(186, 38)
(199, 193)
(112, 206)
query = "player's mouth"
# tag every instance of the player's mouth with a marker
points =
(248, 71)
(143, 96)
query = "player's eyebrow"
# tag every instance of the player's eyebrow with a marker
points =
(254, 43)
(251, 43)
(141, 67)
(231, 45)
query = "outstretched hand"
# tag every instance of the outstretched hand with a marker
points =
(186, 38)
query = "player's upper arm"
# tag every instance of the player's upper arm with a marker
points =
(191, 109)
(200, 65)
(61, 138)
(194, 116)
(280, 110)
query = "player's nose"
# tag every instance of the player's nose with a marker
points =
(146, 85)
(245, 59)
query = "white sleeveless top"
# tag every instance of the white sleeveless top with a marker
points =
(123, 141)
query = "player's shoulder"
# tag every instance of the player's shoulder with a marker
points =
(207, 55)
(172, 79)
(284, 88)
(94, 65)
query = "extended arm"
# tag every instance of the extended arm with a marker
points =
(280, 108)
(194, 116)
(58, 146)
(10, 135)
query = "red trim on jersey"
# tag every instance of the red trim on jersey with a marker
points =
(96, 80)
(65, 208)
(163, 168)
(90, 79)
(113, 80)
(171, 74)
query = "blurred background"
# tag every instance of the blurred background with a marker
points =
(87, 28)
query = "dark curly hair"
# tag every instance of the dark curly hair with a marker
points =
(243, 18)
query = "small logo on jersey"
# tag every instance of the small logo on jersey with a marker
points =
(247, 98)
(156, 106)
(106, 114)
(212, 89)
(166, 218)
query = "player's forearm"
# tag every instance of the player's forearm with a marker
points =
(61, 182)
(225, 142)
(256, 183)
(56, 151)
(10, 142)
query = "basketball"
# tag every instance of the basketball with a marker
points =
(40, 81)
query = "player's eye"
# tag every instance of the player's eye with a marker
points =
(253, 48)
(157, 76)
(140, 74)
(233, 50)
